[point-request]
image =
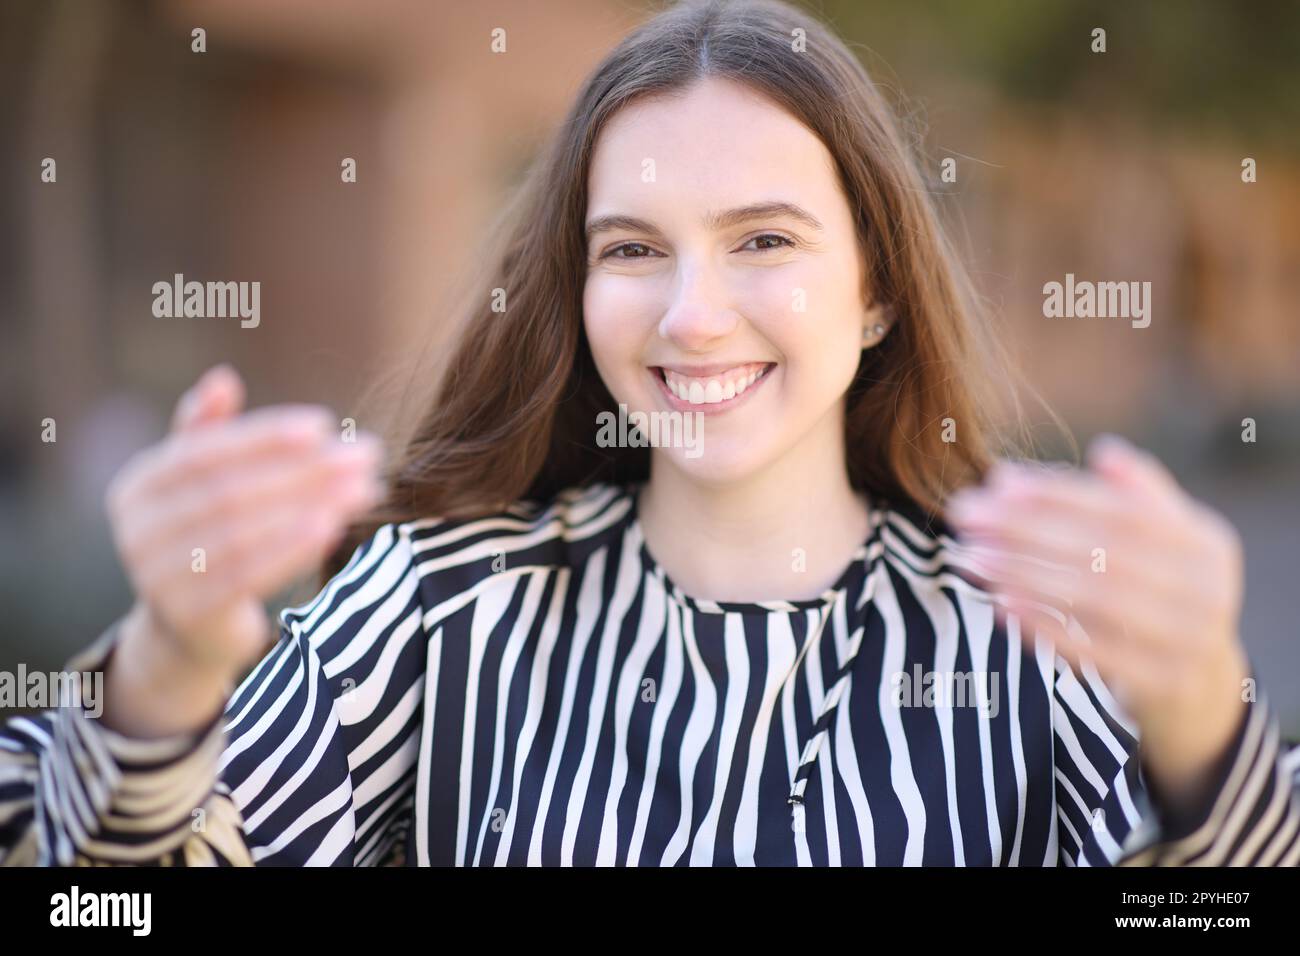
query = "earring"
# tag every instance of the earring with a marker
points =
(877, 329)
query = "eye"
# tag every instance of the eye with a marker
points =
(642, 251)
(780, 241)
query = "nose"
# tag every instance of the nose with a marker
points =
(700, 314)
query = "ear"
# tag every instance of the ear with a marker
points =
(876, 322)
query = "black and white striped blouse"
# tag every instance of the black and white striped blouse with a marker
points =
(531, 688)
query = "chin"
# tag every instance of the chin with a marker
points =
(723, 461)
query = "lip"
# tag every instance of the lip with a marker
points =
(705, 371)
(708, 371)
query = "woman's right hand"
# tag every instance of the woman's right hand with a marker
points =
(222, 514)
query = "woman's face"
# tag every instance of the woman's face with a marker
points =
(724, 277)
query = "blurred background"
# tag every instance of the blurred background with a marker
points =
(1123, 165)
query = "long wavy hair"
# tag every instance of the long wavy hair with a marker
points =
(512, 415)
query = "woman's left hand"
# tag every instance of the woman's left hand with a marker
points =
(1153, 577)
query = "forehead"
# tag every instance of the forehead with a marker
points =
(719, 141)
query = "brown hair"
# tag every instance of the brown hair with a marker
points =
(514, 413)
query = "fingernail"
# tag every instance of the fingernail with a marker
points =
(359, 486)
(188, 399)
(1007, 474)
(376, 451)
(309, 424)
(970, 506)
(370, 442)
(1109, 442)
(212, 374)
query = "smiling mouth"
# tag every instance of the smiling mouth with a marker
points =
(721, 388)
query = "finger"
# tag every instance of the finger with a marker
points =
(1033, 625)
(1132, 672)
(995, 569)
(218, 394)
(1026, 493)
(1072, 639)
(272, 567)
(287, 543)
(1036, 621)
(1002, 573)
(284, 429)
(1079, 525)
(1119, 614)
(1162, 574)
(1125, 465)
(195, 576)
(271, 481)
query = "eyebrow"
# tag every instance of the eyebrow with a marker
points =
(713, 220)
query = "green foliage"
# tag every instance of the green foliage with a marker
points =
(1190, 63)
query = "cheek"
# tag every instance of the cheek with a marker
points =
(788, 291)
(615, 317)
(814, 322)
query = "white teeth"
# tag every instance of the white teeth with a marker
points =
(710, 391)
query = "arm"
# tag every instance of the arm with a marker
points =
(311, 763)
(1157, 578)
(1108, 812)
(1249, 814)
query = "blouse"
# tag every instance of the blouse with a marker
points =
(532, 688)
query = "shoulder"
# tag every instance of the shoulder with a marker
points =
(921, 545)
(939, 569)
(444, 557)
(555, 531)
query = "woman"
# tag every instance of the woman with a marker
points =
(765, 648)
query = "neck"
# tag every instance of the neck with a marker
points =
(787, 532)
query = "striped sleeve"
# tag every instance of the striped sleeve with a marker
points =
(312, 762)
(1250, 815)
(74, 792)
(1109, 814)
(1096, 776)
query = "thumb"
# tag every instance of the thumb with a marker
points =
(218, 394)
(1124, 464)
